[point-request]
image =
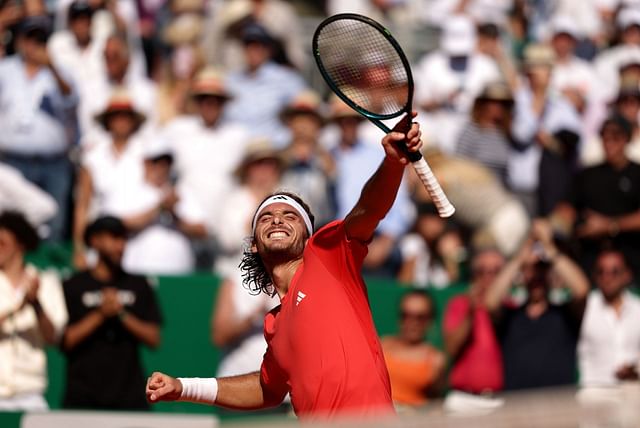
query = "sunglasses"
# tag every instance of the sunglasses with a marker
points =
(418, 316)
(613, 272)
(486, 271)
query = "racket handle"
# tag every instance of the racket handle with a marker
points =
(445, 209)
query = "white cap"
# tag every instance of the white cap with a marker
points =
(565, 24)
(157, 147)
(458, 36)
(627, 17)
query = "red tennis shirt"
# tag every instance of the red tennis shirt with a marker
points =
(323, 347)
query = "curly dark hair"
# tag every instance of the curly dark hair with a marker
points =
(16, 223)
(255, 277)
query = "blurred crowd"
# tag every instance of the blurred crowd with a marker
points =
(146, 133)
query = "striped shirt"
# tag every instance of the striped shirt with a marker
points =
(488, 146)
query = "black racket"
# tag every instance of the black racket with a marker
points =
(365, 66)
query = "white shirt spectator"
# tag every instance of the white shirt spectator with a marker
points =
(246, 355)
(447, 91)
(95, 96)
(608, 340)
(19, 194)
(159, 248)
(103, 25)
(426, 273)
(113, 174)
(23, 363)
(205, 159)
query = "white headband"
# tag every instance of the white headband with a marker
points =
(283, 199)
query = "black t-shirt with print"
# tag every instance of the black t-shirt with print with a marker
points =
(104, 371)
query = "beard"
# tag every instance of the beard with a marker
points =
(280, 252)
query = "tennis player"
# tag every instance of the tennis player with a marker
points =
(322, 343)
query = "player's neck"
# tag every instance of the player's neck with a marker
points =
(282, 275)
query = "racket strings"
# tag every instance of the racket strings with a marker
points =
(364, 66)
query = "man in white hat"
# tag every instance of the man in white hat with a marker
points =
(207, 149)
(462, 73)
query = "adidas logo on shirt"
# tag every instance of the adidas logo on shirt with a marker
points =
(301, 296)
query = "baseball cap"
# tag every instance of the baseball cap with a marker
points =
(254, 32)
(80, 8)
(38, 27)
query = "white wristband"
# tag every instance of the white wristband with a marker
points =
(199, 390)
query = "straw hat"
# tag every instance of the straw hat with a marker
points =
(306, 102)
(120, 102)
(539, 54)
(257, 149)
(184, 29)
(209, 81)
(496, 91)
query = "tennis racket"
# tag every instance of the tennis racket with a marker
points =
(365, 66)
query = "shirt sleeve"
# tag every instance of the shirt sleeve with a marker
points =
(273, 380)
(72, 290)
(336, 252)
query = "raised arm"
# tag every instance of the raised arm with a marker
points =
(380, 191)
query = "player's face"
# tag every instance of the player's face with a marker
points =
(280, 231)
(611, 275)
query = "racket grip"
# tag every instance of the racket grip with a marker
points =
(445, 209)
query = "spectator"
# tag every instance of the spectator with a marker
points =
(162, 218)
(76, 49)
(539, 113)
(416, 368)
(19, 194)
(35, 138)
(574, 77)
(109, 168)
(352, 149)
(258, 175)
(117, 73)
(111, 17)
(263, 88)
(111, 313)
(469, 337)
(309, 168)
(609, 345)
(237, 326)
(462, 74)
(184, 60)
(32, 316)
(603, 204)
(486, 138)
(627, 105)
(432, 252)
(609, 61)
(538, 337)
(207, 150)
(222, 41)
